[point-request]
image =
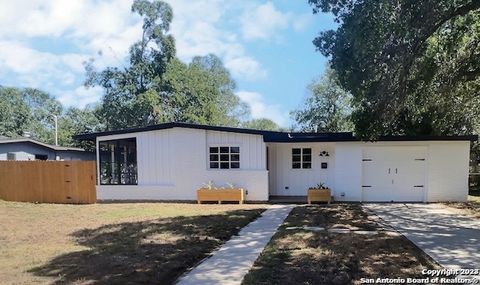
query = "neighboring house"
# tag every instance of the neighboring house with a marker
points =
(29, 149)
(172, 160)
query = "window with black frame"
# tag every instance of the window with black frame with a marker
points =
(118, 162)
(301, 158)
(224, 157)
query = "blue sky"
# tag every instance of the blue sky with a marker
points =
(266, 45)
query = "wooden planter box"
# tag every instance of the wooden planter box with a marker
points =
(220, 195)
(319, 195)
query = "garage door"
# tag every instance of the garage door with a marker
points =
(394, 174)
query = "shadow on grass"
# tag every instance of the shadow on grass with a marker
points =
(151, 252)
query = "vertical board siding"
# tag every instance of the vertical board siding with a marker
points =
(154, 158)
(448, 167)
(173, 164)
(48, 181)
(252, 147)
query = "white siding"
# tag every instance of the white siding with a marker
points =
(173, 163)
(446, 175)
(448, 171)
(282, 175)
(155, 156)
(252, 147)
(348, 172)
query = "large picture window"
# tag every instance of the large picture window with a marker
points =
(224, 157)
(118, 162)
(301, 158)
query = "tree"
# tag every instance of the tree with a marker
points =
(134, 95)
(156, 87)
(261, 124)
(327, 109)
(31, 110)
(27, 110)
(411, 66)
(77, 121)
(203, 92)
(15, 116)
(42, 107)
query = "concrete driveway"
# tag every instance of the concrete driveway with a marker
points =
(450, 238)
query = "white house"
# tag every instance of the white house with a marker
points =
(170, 161)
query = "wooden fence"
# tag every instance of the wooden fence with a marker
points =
(48, 181)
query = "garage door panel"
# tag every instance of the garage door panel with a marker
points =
(393, 174)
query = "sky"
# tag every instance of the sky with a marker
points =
(266, 46)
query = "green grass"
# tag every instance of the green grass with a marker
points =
(149, 243)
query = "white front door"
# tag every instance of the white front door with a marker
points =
(393, 174)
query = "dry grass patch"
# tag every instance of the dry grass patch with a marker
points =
(149, 243)
(306, 257)
(471, 207)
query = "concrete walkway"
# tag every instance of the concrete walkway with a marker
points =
(235, 258)
(450, 238)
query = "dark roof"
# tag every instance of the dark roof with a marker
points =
(5, 140)
(92, 136)
(272, 136)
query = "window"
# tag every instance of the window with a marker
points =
(41, 157)
(224, 157)
(118, 162)
(11, 156)
(301, 158)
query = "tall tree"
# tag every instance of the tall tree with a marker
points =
(411, 66)
(327, 108)
(134, 95)
(155, 86)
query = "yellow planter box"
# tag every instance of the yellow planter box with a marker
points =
(220, 195)
(319, 195)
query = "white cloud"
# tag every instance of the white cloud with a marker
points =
(81, 96)
(90, 25)
(198, 27)
(260, 109)
(264, 21)
(78, 29)
(246, 67)
(39, 69)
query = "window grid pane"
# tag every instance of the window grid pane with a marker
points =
(301, 158)
(224, 157)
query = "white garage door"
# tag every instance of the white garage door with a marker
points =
(394, 174)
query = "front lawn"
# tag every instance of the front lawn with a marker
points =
(299, 256)
(151, 243)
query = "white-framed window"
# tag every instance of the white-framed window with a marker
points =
(224, 157)
(301, 158)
